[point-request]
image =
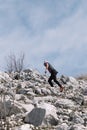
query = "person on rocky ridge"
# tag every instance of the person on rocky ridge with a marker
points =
(53, 73)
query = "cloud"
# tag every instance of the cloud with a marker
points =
(55, 31)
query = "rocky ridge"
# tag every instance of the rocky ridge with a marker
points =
(27, 102)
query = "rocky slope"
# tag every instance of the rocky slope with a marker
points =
(27, 102)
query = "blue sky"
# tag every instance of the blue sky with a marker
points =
(52, 30)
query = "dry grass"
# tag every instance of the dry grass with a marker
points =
(82, 77)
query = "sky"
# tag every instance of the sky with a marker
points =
(45, 30)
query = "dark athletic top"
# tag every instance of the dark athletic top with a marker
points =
(51, 69)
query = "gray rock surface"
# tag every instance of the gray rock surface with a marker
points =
(27, 102)
(35, 117)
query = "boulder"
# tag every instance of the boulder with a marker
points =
(35, 117)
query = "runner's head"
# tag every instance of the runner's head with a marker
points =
(45, 63)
